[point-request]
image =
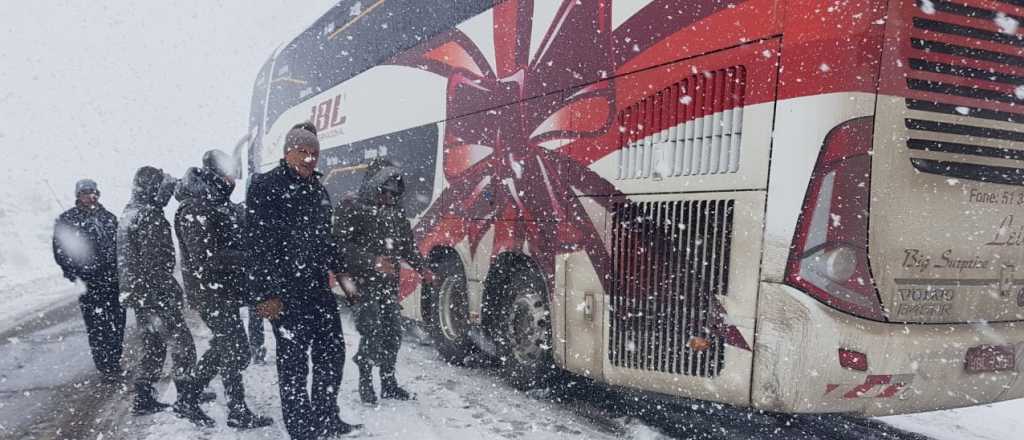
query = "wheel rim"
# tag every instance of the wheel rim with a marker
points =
(447, 319)
(527, 327)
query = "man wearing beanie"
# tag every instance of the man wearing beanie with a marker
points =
(210, 235)
(84, 248)
(289, 227)
(145, 259)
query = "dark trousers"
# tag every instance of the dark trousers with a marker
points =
(378, 320)
(228, 354)
(104, 324)
(309, 330)
(162, 325)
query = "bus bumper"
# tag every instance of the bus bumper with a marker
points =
(910, 367)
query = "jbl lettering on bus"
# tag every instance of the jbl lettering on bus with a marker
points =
(327, 114)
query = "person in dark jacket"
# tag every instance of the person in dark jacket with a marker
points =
(85, 249)
(373, 235)
(209, 233)
(145, 260)
(289, 226)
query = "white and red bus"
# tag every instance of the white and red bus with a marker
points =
(791, 205)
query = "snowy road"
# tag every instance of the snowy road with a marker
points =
(48, 386)
(48, 390)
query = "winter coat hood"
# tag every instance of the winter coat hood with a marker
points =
(377, 176)
(152, 187)
(203, 184)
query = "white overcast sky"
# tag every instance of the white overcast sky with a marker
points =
(99, 88)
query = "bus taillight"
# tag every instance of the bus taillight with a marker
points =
(829, 255)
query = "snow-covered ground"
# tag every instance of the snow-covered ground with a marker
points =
(28, 300)
(47, 387)
(997, 421)
(453, 403)
(468, 403)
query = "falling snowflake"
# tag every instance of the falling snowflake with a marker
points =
(1007, 25)
(928, 7)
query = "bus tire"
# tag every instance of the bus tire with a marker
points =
(446, 311)
(523, 335)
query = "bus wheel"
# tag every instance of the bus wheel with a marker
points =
(524, 336)
(447, 312)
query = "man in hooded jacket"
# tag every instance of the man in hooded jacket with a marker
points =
(84, 248)
(289, 227)
(209, 233)
(373, 234)
(145, 261)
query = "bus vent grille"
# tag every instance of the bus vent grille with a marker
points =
(963, 67)
(690, 128)
(670, 260)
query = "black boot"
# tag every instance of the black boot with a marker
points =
(366, 392)
(241, 417)
(389, 388)
(144, 402)
(338, 427)
(187, 405)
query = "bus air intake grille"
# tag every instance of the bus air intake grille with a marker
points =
(690, 128)
(670, 260)
(963, 63)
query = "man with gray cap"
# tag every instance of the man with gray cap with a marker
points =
(145, 261)
(291, 254)
(84, 248)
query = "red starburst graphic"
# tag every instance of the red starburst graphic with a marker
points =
(509, 124)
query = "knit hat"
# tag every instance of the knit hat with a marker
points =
(301, 134)
(86, 185)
